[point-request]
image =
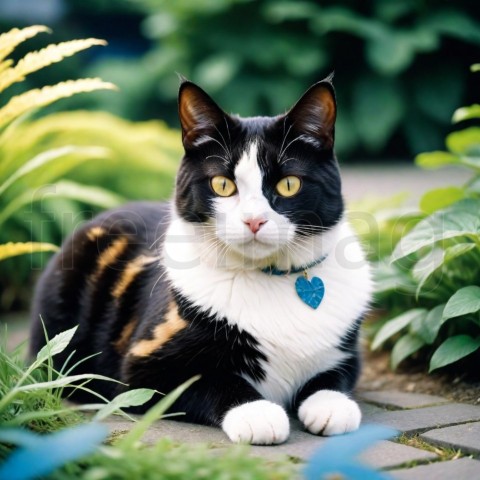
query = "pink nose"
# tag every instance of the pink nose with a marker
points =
(255, 224)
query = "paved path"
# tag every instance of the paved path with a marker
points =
(438, 429)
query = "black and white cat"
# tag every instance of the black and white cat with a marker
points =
(251, 277)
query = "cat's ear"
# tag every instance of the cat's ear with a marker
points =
(315, 113)
(199, 114)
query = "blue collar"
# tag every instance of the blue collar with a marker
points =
(275, 271)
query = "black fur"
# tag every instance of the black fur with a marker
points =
(78, 287)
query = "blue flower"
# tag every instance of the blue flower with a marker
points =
(337, 457)
(39, 455)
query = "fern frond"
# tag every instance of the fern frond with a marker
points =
(9, 40)
(11, 249)
(40, 97)
(5, 64)
(34, 61)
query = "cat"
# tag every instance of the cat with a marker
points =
(251, 277)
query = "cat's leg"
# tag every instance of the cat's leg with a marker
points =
(323, 403)
(223, 400)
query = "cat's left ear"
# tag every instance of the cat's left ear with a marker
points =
(199, 114)
(315, 113)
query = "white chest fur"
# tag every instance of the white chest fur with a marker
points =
(298, 341)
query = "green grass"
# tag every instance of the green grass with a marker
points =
(31, 397)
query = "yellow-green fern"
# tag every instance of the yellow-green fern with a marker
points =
(9, 40)
(40, 97)
(11, 249)
(33, 61)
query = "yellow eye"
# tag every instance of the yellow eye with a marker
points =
(223, 186)
(289, 186)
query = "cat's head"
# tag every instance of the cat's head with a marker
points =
(261, 186)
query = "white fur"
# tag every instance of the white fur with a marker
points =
(223, 276)
(248, 203)
(259, 423)
(329, 413)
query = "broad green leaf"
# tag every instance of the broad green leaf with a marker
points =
(390, 53)
(131, 398)
(388, 278)
(56, 345)
(439, 198)
(464, 301)
(464, 142)
(436, 159)
(475, 67)
(453, 349)
(12, 249)
(429, 325)
(457, 251)
(376, 98)
(404, 347)
(458, 220)
(396, 324)
(466, 113)
(426, 266)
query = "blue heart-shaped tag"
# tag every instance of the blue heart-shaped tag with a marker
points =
(311, 291)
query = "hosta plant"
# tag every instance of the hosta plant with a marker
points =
(434, 270)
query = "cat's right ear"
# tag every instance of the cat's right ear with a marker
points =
(199, 114)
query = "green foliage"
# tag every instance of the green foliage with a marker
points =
(59, 170)
(257, 57)
(438, 258)
(30, 396)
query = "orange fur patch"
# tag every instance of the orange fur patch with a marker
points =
(121, 343)
(129, 274)
(109, 256)
(95, 232)
(162, 333)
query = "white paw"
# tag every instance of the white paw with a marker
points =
(329, 413)
(259, 423)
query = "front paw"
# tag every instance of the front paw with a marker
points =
(259, 423)
(329, 413)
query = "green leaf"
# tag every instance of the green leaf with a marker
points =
(390, 53)
(465, 142)
(436, 159)
(426, 266)
(380, 99)
(131, 398)
(457, 250)
(439, 198)
(42, 159)
(466, 113)
(458, 220)
(156, 412)
(396, 324)
(404, 347)
(475, 67)
(430, 325)
(63, 382)
(464, 301)
(56, 345)
(453, 349)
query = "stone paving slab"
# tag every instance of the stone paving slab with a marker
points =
(461, 469)
(300, 444)
(401, 399)
(463, 437)
(427, 418)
